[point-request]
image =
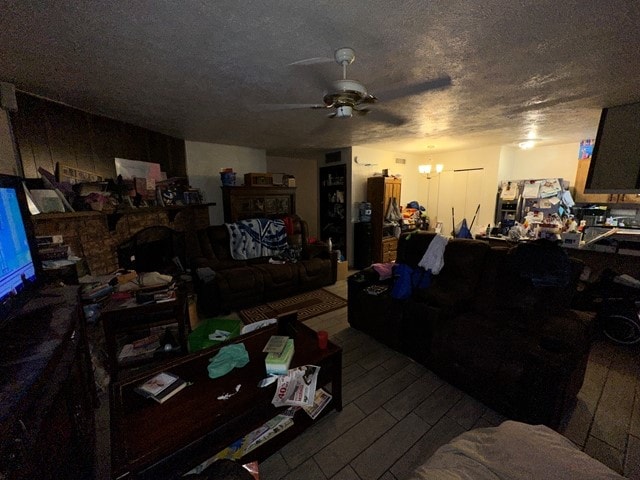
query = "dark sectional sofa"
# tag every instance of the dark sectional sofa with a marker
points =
(496, 322)
(223, 284)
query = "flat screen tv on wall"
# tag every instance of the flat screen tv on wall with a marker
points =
(615, 164)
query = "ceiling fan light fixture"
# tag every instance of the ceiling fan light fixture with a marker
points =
(344, 111)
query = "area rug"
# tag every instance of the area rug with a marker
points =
(308, 305)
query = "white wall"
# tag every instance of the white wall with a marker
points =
(487, 159)
(306, 173)
(504, 163)
(540, 162)
(204, 161)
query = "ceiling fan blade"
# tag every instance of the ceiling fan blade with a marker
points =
(274, 107)
(311, 61)
(408, 90)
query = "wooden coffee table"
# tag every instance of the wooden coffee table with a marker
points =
(151, 440)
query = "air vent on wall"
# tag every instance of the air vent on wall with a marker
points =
(401, 161)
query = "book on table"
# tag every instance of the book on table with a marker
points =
(161, 387)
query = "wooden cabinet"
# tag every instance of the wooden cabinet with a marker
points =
(244, 202)
(47, 426)
(389, 249)
(381, 192)
(598, 198)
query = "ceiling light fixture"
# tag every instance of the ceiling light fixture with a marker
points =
(527, 145)
(426, 169)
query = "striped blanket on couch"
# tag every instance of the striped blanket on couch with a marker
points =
(257, 237)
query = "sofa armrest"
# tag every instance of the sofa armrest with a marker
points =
(316, 250)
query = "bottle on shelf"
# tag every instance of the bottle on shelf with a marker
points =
(330, 244)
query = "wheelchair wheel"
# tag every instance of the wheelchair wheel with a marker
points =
(622, 329)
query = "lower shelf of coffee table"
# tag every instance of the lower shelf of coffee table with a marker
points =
(153, 441)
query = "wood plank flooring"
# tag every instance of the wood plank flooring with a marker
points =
(396, 413)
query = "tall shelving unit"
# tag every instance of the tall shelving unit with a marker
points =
(333, 206)
(380, 191)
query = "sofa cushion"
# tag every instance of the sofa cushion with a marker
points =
(512, 451)
(239, 286)
(280, 280)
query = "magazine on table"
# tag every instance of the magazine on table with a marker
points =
(321, 400)
(297, 387)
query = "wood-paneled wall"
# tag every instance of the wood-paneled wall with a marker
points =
(47, 133)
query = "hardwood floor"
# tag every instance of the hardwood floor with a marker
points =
(396, 413)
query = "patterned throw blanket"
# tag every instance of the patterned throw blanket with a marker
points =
(258, 237)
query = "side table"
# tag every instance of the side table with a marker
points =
(122, 319)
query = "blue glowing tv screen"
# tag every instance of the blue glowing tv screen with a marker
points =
(16, 262)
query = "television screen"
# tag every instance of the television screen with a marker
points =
(615, 164)
(16, 262)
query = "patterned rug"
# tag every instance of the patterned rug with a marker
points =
(308, 305)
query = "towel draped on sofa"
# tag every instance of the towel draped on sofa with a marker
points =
(257, 237)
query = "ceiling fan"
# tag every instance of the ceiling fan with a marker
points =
(348, 97)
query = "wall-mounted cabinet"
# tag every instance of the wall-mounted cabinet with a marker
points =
(598, 198)
(333, 205)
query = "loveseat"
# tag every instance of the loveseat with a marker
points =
(223, 283)
(495, 321)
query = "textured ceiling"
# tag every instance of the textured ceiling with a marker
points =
(197, 69)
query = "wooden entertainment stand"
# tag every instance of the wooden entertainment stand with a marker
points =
(47, 392)
(161, 441)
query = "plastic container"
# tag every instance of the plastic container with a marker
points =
(199, 338)
(364, 211)
(228, 178)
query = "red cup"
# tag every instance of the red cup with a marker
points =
(323, 338)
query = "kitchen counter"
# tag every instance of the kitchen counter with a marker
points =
(596, 260)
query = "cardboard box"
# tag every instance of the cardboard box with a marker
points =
(571, 239)
(343, 269)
